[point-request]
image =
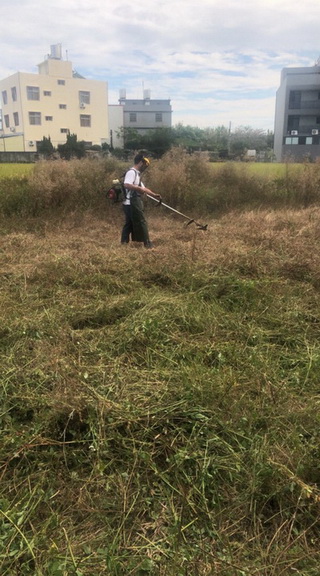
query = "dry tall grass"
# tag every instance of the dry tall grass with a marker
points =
(187, 182)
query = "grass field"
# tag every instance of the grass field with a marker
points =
(160, 409)
(263, 169)
(271, 170)
(13, 170)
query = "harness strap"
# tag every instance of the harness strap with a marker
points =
(132, 193)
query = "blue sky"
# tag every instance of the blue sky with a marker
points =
(218, 62)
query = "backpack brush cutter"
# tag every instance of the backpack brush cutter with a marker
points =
(191, 220)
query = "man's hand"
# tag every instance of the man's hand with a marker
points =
(153, 194)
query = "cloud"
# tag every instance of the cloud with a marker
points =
(217, 62)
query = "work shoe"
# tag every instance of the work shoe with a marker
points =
(148, 245)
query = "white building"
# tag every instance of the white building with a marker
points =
(52, 103)
(297, 117)
(116, 125)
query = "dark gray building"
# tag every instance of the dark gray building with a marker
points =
(297, 117)
(145, 114)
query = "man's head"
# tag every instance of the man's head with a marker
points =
(141, 161)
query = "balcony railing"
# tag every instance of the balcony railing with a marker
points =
(306, 105)
(304, 131)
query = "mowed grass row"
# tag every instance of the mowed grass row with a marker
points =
(160, 408)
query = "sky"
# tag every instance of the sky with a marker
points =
(219, 62)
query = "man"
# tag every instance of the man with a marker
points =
(135, 222)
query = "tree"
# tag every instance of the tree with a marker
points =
(194, 138)
(158, 141)
(45, 147)
(131, 138)
(188, 137)
(219, 141)
(72, 148)
(246, 138)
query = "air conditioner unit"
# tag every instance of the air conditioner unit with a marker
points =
(314, 132)
(31, 143)
(82, 105)
(294, 132)
(12, 129)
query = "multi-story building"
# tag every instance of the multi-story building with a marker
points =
(53, 103)
(145, 114)
(141, 115)
(297, 117)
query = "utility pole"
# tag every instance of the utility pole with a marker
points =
(229, 138)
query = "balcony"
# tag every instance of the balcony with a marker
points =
(308, 130)
(305, 105)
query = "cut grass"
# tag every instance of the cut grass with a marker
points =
(160, 408)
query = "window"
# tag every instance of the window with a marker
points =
(6, 120)
(16, 118)
(4, 97)
(64, 130)
(35, 118)
(33, 93)
(309, 140)
(48, 118)
(47, 92)
(158, 116)
(132, 117)
(84, 97)
(85, 120)
(293, 123)
(14, 93)
(61, 82)
(292, 140)
(294, 99)
(62, 106)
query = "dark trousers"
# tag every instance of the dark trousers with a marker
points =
(127, 227)
(139, 223)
